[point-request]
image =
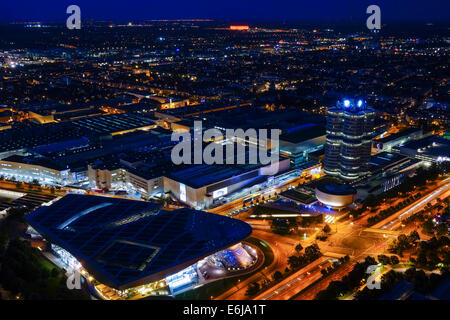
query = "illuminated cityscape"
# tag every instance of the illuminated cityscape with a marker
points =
(222, 158)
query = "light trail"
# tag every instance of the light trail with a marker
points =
(427, 199)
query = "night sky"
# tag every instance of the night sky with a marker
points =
(233, 10)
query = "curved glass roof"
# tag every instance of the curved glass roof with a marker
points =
(123, 242)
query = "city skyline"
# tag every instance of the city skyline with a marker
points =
(222, 159)
(232, 10)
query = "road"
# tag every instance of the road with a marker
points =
(311, 293)
(295, 282)
(395, 220)
(282, 248)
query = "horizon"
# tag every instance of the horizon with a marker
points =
(324, 11)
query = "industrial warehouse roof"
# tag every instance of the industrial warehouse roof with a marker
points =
(385, 159)
(199, 176)
(303, 133)
(433, 146)
(106, 124)
(126, 243)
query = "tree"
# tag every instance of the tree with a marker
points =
(422, 258)
(293, 262)
(334, 290)
(326, 228)
(442, 229)
(45, 274)
(428, 226)
(252, 289)
(394, 260)
(277, 276)
(383, 259)
(298, 248)
(54, 273)
(413, 236)
(312, 252)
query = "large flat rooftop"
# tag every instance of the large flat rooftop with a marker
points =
(199, 176)
(433, 146)
(303, 133)
(125, 243)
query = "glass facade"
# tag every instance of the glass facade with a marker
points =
(349, 136)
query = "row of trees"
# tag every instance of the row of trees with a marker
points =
(23, 274)
(383, 214)
(421, 282)
(419, 180)
(23, 271)
(434, 253)
(300, 260)
(348, 283)
(404, 243)
(425, 218)
(295, 262)
(336, 264)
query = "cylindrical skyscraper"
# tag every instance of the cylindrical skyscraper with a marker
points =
(349, 137)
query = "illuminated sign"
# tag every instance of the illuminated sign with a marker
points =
(220, 193)
(239, 28)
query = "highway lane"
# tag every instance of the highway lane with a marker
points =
(311, 293)
(295, 282)
(389, 222)
(282, 248)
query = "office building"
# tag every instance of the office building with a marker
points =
(349, 138)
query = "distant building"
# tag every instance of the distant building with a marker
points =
(432, 149)
(30, 168)
(297, 143)
(387, 170)
(201, 185)
(349, 139)
(396, 139)
(172, 102)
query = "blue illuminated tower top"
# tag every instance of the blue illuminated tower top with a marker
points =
(352, 104)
